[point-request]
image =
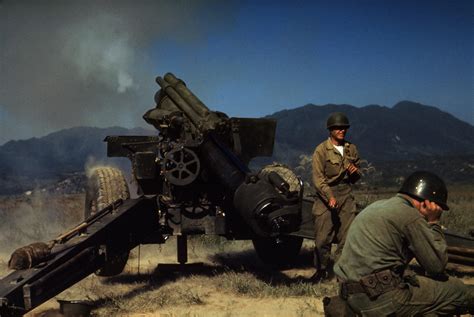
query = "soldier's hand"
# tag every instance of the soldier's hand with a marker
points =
(352, 168)
(431, 211)
(332, 203)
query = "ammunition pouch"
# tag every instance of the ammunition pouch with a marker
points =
(373, 285)
(349, 288)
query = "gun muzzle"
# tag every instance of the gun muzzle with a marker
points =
(180, 103)
(200, 116)
(197, 105)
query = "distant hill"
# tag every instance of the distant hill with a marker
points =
(407, 132)
(26, 164)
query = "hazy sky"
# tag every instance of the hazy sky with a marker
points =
(71, 63)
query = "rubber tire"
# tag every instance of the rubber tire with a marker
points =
(285, 172)
(275, 253)
(104, 186)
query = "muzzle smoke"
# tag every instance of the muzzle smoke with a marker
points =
(69, 63)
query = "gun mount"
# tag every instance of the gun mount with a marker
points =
(193, 178)
(197, 166)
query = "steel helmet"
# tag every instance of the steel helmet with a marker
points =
(423, 185)
(337, 119)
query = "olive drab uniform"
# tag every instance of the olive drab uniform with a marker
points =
(331, 179)
(380, 243)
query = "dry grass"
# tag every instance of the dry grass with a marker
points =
(224, 279)
(224, 283)
(460, 217)
(244, 283)
(230, 282)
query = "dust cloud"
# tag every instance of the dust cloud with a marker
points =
(37, 216)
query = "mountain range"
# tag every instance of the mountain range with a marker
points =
(406, 132)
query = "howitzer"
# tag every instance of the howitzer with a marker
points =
(193, 178)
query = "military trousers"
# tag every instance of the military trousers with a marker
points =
(427, 297)
(331, 225)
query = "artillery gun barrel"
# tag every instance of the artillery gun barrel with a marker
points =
(226, 167)
(187, 95)
(201, 117)
(179, 101)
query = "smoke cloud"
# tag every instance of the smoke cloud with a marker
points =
(68, 63)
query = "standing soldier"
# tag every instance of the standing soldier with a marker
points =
(335, 169)
(381, 242)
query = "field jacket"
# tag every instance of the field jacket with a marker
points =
(330, 167)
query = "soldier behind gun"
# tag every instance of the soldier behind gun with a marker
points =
(335, 167)
(381, 242)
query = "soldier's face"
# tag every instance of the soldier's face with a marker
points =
(338, 133)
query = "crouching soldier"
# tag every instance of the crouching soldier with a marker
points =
(381, 242)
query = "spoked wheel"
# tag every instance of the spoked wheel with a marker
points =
(104, 186)
(181, 166)
(279, 251)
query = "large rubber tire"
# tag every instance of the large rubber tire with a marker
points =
(278, 252)
(285, 172)
(104, 186)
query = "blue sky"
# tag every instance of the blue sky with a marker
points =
(276, 55)
(93, 63)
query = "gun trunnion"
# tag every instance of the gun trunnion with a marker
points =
(193, 178)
